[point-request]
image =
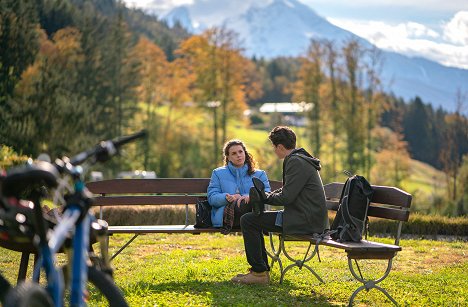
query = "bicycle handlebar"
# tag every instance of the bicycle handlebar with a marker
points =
(106, 149)
(129, 138)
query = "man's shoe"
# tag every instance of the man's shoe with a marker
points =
(248, 272)
(262, 278)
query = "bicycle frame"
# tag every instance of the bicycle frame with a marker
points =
(70, 223)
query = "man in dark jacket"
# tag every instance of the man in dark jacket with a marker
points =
(302, 196)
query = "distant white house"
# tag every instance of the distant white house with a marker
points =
(292, 113)
(286, 107)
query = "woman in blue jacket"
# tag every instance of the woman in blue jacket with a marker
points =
(232, 182)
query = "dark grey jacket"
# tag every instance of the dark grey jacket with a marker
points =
(302, 195)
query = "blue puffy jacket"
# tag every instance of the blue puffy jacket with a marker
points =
(232, 180)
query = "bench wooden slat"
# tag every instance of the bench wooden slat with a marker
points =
(371, 254)
(145, 200)
(364, 245)
(388, 213)
(160, 229)
(377, 210)
(389, 196)
(159, 185)
(355, 250)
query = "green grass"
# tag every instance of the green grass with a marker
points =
(195, 270)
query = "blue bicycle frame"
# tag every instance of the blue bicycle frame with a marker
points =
(69, 223)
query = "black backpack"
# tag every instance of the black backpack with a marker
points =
(351, 217)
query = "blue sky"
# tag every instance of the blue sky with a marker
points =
(434, 29)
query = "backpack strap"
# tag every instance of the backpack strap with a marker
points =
(319, 238)
(345, 201)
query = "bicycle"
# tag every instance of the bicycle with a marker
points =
(71, 233)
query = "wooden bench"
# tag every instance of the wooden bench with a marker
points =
(161, 191)
(388, 203)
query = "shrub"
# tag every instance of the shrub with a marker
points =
(9, 158)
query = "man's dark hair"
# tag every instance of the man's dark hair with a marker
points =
(283, 135)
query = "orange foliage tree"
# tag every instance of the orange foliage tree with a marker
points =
(222, 77)
(51, 109)
(392, 158)
(151, 69)
(307, 88)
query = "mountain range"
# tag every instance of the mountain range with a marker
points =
(285, 27)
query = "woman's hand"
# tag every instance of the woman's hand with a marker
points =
(244, 198)
(231, 198)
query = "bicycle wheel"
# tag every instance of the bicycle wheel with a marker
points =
(28, 294)
(104, 283)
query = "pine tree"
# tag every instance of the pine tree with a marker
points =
(18, 48)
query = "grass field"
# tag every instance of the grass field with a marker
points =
(194, 270)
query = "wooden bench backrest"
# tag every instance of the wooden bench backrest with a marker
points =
(387, 202)
(176, 191)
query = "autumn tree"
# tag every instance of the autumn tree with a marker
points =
(310, 78)
(232, 71)
(220, 76)
(392, 158)
(51, 115)
(201, 59)
(373, 100)
(331, 58)
(176, 91)
(152, 71)
(353, 110)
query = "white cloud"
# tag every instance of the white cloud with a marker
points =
(427, 5)
(415, 39)
(417, 30)
(456, 30)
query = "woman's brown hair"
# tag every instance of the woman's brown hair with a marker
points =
(249, 160)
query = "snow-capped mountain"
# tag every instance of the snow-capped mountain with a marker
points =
(285, 27)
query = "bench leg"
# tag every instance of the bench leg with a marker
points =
(23, 269)
(300, 263)
(276, 252)
(124, 246)
(369, 284)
